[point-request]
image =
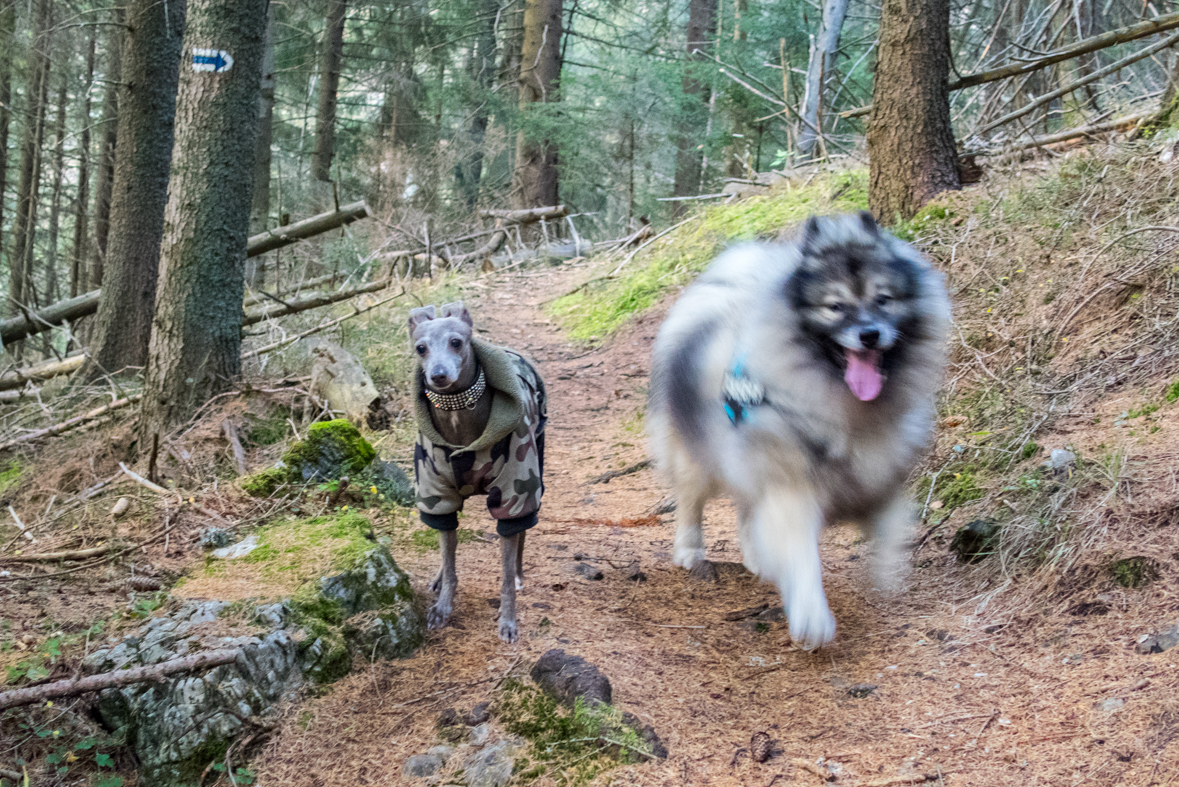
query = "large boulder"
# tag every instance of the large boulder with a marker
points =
(321, 593)
(331, 450)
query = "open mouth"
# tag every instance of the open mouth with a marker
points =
(863, 375)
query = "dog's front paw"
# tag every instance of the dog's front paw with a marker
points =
(508, 631)
(811, 623)
(438, 616)
(519, 583)
(687, 557)
(436, 585)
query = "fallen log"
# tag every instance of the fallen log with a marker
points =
(72, 423)
(54, 557)
(12, 397)
(528, 215)
(19, 378)
(338, 377)
(257, 297)
(124, 677)
(491, 247)
(311, 302)
(17, 328)
(1049, 140)
(291, 339)
(307, 228)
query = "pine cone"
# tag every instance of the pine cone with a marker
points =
(759, 747)
(143, 584)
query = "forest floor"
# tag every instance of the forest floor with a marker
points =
(965, 692)
(1021, 669)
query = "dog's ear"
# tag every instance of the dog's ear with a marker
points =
(868, 222)
(810, 235)
(420, 315)
(457, 309)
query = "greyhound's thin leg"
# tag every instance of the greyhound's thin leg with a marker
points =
(436, 585)
(507, 605)
(439, 614)
(520, 562)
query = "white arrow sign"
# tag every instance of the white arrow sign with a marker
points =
(216, 60)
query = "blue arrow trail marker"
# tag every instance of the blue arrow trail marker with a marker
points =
(216, 60)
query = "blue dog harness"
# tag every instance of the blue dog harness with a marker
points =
(741, 392)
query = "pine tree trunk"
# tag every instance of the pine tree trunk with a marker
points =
(7, 49)
(108, 137)
(540, 72)
(819, 73)
(51, 294)
(197, 331)
(331, 63)
(911, 151)
(260, 208)
(689, 154)
(481, 69)
(81, 202)
(147, 110)
(20, 287)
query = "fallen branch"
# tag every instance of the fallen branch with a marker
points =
(1095, 43)
(24, 531)
(19, 378)
(312, 302)
(632, 255)
(126, 677)
(319, 328)
(239, 453)
(810, 767)
(1065, 136)
(528, 215)
(12, 397)
(255, 298)
(54, 557)
(916, 778)
(607, 477)
(137, 478)
(72, 423)
(307, 228)
(491, 247)
(1071, 86)
(50, 317)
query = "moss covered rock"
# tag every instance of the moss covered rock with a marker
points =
(314, 595)
(332, 449)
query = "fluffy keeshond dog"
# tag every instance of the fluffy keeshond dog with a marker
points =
(799, 378)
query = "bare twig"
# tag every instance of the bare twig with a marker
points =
(72, 423)
(235, 443)
(125, 677)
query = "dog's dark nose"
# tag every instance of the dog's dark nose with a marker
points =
(869, 338)
(439, 380)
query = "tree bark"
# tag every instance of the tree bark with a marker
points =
(481, 70)
(20, 286)
(59, 130)
(147, 112)
(260, 207)
(108, 130)
(82, 201)
(540, 72)
(196, 335)
(911, 152)
(820, 71)
(331, 62)
(7, 50)
(689, 154)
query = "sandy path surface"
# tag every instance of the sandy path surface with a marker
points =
(965, 693)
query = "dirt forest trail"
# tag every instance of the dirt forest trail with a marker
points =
(928, 686)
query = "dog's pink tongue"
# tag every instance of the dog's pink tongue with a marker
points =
(863, 375)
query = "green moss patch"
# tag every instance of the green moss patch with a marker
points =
(332, 450)
(10, 476)
(597, 310)
(1134, 572)
(572, 746)
(427, 540)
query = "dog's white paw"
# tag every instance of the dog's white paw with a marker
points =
(508, 631)
(438, 615)
(811, 623)
(687, 557)
(519, 583)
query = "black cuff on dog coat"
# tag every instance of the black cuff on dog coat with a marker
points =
(510, 527)
(440, 521)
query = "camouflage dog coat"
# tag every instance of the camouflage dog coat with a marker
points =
(506, 463)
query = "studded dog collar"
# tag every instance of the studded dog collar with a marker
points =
(464, 400)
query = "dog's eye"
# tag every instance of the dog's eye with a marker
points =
(456, 343)
(421, 349)
(882, 299)
(836, 307)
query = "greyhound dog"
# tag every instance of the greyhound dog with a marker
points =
(481, 413)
